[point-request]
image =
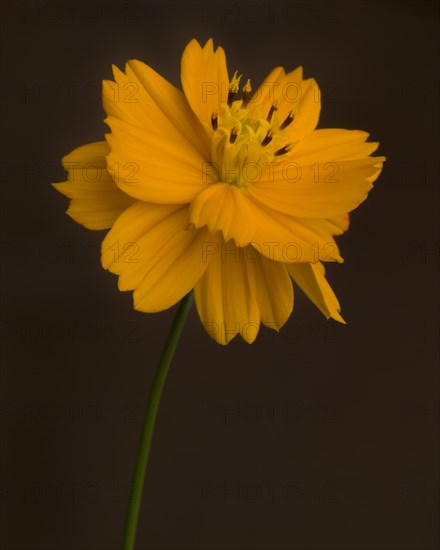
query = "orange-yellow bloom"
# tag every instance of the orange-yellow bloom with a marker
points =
(231, 193)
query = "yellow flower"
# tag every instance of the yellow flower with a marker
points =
(219, 190)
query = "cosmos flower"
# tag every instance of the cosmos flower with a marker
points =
(229, 192)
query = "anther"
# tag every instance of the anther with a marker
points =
(246, 93)
(272, 109)
(233, 136)
(288, 120)
(233, 88)
(214, 120)
(268, 138)
(283, 150)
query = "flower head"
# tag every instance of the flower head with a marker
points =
(223, 190)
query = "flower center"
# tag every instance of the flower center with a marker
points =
(246, 141)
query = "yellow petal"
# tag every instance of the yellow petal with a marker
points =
(225, 295)
(96, 202)
(152, 252)
(310, 278)
(333, 145)
(151, 168)
(287, 239)
(338, 224)
(141, 97)
(120, 246)
(172, 103)
(274, 292)
(205, 81)
(223, 207)
(319, 191)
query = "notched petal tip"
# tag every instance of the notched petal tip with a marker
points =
(250, 338)
(133, 63)
(117, 73)
(62, 188)
(340, 319)
(195, 43)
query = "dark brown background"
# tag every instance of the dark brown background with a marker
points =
(320, 438)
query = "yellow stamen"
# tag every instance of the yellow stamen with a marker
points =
(214, 120)
(246, 93)
(234, 85)
(233, 136)
(283, 150)
(268, 138)
(272, 109)
(288, 120)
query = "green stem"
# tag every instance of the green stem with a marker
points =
(150, 420)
